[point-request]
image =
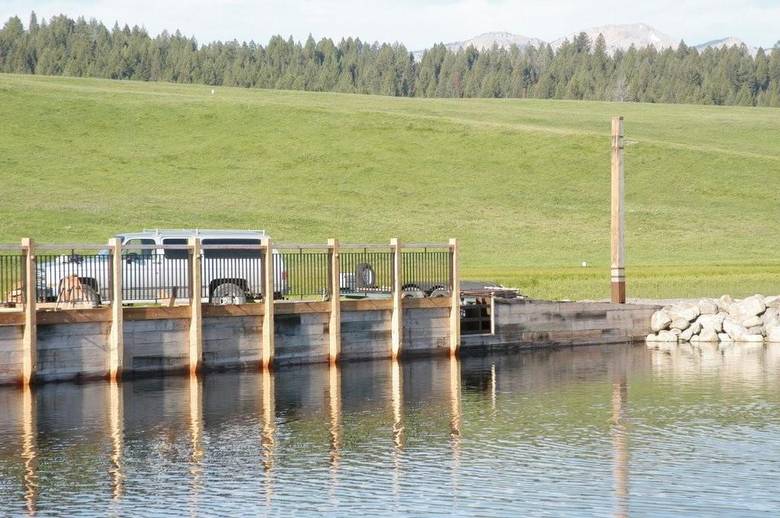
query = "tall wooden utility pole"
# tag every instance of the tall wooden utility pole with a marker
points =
(618, 271)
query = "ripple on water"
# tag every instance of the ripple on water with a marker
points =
(596, 431)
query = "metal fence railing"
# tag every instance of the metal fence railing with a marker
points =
(11, 279)
(366, 270)
(230, 273)
(305, 272)
(73, 274)
(153, 273)
(425, 269)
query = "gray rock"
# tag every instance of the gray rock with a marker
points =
(696, 327)
(772, 302)
(755, 339)
(725, 302)
(686, 335)
(770, 316)
(708, 306)
(684, 310)
(660, 321)
(773, 334)
(708, 335)
(756, 330)
(733, 328)
(724, 337)
(681, 324)
(714, 322)
(751, 306)
(752, 321)
(667, 336)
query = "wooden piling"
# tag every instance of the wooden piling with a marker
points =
(116, 339)
(267, 354)
(334, 324)
(196, 320)
(30, 336)
(397, 320)
(454, 298)
(618, 275)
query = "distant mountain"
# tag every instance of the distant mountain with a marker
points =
(501, 39)
(640, 35)
(621, 37)
(726, 42)
(487, 40)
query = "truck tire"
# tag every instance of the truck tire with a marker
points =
(412, 291)
(365, 276)
(439, 292)
(228, 293)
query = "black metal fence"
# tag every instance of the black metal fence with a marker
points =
(366, 271)
(230, 273)
(152, 273)
(426, 270)
(71, 277)
(11, 279)
(303, 273)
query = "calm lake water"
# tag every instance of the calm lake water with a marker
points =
(613, 430)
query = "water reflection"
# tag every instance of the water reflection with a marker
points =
(116, 429)
(620, 472)
(334, 415)
(29, 456)
(195, 390)
(267, 431)
(493, 436)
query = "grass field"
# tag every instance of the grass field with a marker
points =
(524, 184)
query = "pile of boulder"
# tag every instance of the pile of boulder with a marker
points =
(753, 319)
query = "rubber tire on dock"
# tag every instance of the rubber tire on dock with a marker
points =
(228, 293)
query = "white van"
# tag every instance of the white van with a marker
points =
(229, 275)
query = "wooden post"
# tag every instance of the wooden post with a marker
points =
(397, 320)
(618, 214)
(267, 355)
(30, 337)
(196, 321)
(116, 341)
(334, 324)
(454, 298)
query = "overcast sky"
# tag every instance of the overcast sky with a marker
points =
(419, 23)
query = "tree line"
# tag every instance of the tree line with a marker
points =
(579, 69)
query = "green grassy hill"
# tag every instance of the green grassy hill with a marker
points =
(524, 184)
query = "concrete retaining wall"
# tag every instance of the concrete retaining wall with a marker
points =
(73, 350)
(10, 353)
(530, 323)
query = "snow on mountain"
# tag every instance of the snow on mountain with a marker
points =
(487, 40)
(621, 37)
(640, 35)
(725, 42)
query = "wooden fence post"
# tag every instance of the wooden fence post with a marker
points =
(397, 320)
(334, 324)
(116, 341)
(30, 336)
(269, 273)
(196, 320)
(618, 273)
(454, 298)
